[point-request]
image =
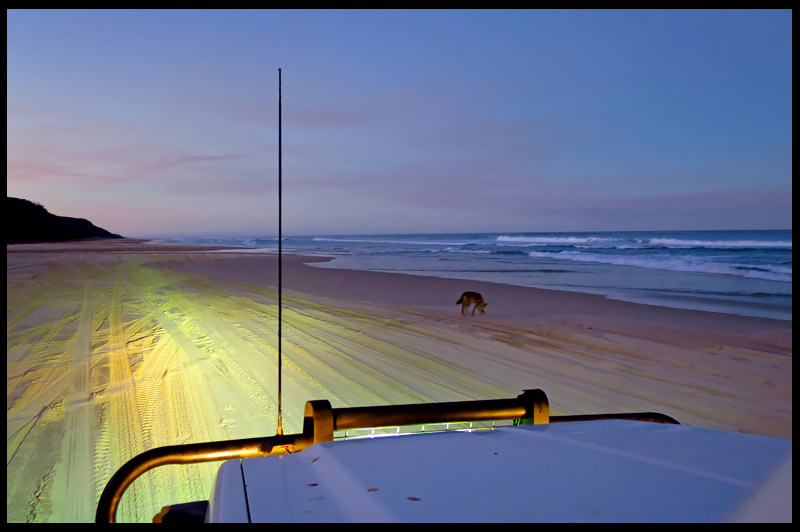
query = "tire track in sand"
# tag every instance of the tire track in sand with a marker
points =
(74, 488)
(314, 366)
(123, 421)
(191, 392)
(392, 359)
(247, 375)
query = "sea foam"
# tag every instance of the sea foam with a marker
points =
(678, 264)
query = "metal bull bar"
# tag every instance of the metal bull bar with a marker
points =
(319, 423)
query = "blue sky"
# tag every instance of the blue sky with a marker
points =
(164, 123)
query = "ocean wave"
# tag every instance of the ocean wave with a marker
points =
(624, 243)
(547, 240)
(460, 250)
(511, 252)
(375, 241)
(743, 244)
(678, 264)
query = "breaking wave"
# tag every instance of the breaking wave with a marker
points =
(679, 264)
(626, 243)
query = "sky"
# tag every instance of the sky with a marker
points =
(165, 123)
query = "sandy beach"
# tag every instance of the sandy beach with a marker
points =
(115, 347)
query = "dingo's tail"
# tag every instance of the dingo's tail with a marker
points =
(460, 299)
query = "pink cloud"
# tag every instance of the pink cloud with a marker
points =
(147, 170)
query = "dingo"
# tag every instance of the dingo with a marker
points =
(467, 298)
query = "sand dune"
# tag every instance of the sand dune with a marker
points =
(114, 348)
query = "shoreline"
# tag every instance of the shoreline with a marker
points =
(733, 272)
(771, 309)
(129, 245)
(433, 293)
(421, 292)
(113, 349)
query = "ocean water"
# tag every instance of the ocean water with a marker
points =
(736, 272)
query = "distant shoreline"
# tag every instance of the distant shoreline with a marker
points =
(100, 245)
(736, 272)
(336, 261)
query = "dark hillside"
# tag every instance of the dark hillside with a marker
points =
(27, 221)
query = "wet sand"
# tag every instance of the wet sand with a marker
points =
(115, 347)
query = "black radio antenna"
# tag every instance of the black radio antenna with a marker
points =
(280, 259)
